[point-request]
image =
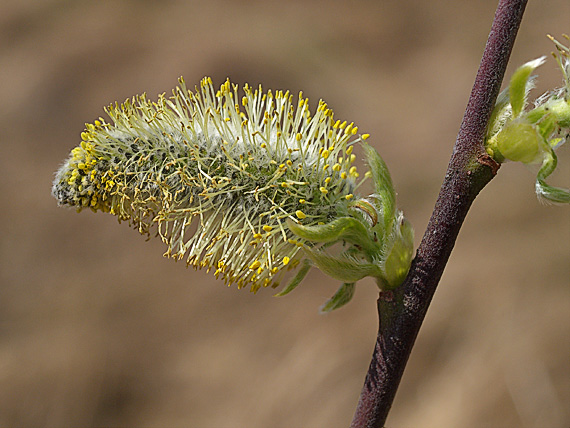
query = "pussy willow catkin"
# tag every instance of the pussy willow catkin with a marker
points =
(218, 176)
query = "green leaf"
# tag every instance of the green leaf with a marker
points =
(345, 228)
(551, 193)
(400, 255)
(382, 185)
(545, 191)
(499, 114)
(519, 85)
(560, 109)
(343, 295)
(301, 273)
(520, 142)
(342, 268)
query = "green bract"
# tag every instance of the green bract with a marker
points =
(249, 187)
(530, 136)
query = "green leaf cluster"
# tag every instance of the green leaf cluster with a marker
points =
(530, 136)
(377, 237)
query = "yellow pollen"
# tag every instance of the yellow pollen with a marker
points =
(267, 228)
(300, 214)
(286, 260)
(255, 265)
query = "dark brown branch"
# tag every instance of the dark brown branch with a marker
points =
(402, 311)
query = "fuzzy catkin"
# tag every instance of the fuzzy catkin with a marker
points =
(217, 177)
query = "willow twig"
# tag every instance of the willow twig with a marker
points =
(402, 311)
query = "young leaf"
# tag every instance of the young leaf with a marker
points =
(400, 255)
(545, 191)
(345, 228)
(342, 296)
(382, 185)
(301, 273)
(343, 268)
(519, 84)
(520, 142)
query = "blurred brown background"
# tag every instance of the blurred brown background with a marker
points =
(96, 328)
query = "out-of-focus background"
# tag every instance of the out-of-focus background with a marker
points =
(96, 328)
